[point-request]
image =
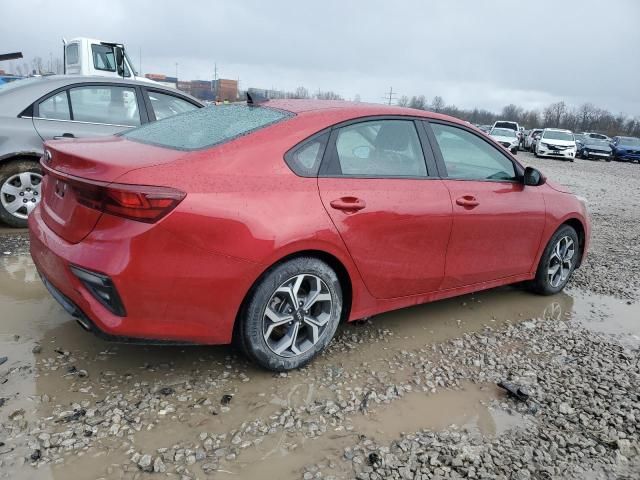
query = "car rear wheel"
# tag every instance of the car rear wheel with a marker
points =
(558, 262)
(20, 183)
(291, 314)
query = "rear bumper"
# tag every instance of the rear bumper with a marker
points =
(172, 292)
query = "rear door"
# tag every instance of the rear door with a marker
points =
(497, 220)
(89, 110)
(394, 217)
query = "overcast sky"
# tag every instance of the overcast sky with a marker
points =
(472, 53)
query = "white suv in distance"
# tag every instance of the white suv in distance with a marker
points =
(555, 142)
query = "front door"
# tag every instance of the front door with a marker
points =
(394, 219)
(497, 220)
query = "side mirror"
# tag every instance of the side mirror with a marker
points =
(533, 177)
(119, 60)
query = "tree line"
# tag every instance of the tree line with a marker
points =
(584, 118)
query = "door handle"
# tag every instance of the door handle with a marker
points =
(468, 201)
(348, 204)
(64, 135)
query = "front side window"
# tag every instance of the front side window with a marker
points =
(381, 148)
(104, 58)
(468, 157)
(55, 107)
(206, 127)
(165, 105)
(105, 104)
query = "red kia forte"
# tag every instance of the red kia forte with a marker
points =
(270, 223)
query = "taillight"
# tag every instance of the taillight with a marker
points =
(135, 202)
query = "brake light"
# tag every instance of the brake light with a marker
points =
(135, 202)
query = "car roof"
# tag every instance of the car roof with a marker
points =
(558, 130)
(342, 110)
(18, 95)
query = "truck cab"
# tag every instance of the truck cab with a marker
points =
(88, 56)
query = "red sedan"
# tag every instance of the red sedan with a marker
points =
(272, 222)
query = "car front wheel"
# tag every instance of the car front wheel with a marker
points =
(20, 183)
(558, 262)
(291, 315)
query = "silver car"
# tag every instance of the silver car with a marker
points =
(44, 108)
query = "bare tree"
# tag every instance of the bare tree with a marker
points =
(418, 102)
(37, 65)
(437, 104)
(301, 92)
(403, 101)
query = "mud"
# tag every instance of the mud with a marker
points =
(46, 383)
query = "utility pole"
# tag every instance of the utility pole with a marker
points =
(390, 95)
(215, 71)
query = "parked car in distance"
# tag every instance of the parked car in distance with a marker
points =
(593, 148)
(626, 149)
(598, 136)
(276, 253)
(37, 109)
(555, 142)
(507, 138)
(510, 125)
(530, 140)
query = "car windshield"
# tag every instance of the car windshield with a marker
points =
(206, 127)
(509, 125)
(503, 132)
(555, 135)
(629, 141)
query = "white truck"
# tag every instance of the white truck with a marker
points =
(88, 56)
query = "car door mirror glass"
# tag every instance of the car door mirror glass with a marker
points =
(363, 152)
(533, 177)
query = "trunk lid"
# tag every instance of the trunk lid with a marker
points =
(71, 164)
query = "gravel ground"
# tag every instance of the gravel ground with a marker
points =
(407, 395)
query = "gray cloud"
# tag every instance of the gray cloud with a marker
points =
(473, 53)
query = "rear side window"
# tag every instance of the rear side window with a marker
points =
(305, 159)
(165, 105)
(383, 148)
(55, 107)
(206, 127)
(72, 53)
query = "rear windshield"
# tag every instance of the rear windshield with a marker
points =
(206, 127)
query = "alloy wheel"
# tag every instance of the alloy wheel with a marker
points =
(561, 261)
(20, 193)
(297, 315)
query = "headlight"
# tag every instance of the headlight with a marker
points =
(542, 144)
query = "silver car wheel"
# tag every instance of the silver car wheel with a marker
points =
(296, 315)
(20, 193)
(561, 261)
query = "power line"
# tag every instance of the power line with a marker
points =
(390, 96)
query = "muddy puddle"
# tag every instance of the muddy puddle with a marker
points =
(30, 319)
(469, 407)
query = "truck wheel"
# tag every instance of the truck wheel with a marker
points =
(20, 182)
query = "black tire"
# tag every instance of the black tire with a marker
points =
(8, 170)
(542, 284)
(249, 333)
